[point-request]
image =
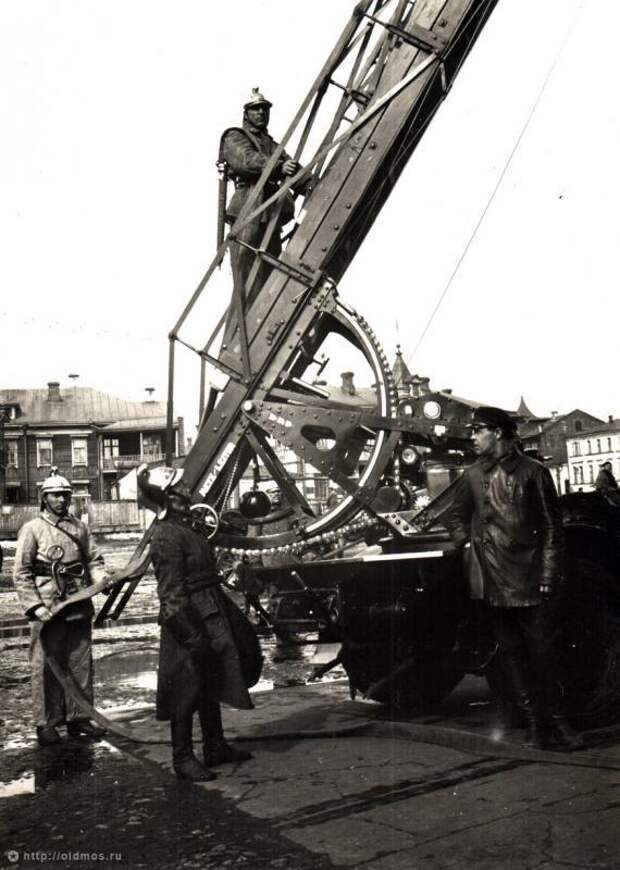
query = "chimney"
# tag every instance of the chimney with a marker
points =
(425, 386)
(415, 386)
(610, 418)
(53, 391)
(348, 386)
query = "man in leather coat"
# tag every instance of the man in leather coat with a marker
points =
(507, 508)
(208, 650)
(55, 557)
(246, 151)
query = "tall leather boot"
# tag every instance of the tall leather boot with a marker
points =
(184, 762)
(216, 750)
(564, 734)
(535, 731)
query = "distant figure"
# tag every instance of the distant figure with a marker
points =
(56, 557)
(607, 484)
(251, 586)
(244, 152)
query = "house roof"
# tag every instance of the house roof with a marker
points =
(82, 405)
(400, 372)
(364, 397)
(543, 425)
(604, 429)
(523, 410)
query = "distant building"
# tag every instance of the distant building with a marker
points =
(549, 435)
(587, 451)
(93, 438)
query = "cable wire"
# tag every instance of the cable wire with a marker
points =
(500, 179)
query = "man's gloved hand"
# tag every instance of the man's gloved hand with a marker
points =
(43, 613)
(290, 167)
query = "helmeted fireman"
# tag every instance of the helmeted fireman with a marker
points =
(208, 650)
(244, 153)
(56, 557)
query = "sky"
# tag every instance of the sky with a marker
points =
(112, 113)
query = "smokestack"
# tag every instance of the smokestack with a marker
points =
(415, 386)
(348, 386)
(53, 391)
(610, 418)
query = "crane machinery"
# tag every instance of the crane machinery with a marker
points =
(400, 612)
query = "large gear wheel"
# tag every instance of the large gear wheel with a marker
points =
(316, 452)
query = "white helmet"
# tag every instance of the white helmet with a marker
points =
(154, 485)
(55, 483)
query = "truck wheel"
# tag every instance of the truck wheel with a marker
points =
(585, 618)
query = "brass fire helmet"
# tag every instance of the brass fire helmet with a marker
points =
(54, 483)
(154, 484)
(257, 99)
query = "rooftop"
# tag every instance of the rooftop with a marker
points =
(82, 405)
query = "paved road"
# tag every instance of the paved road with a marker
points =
(333, 783)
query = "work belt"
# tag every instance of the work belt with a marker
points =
(241, 184)
(68, 577)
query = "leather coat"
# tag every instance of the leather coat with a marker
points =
(246, 151)
(207, 644)
(509, 511)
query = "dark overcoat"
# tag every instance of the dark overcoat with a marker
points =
(247, 150)
(207, 644)
(510, 512)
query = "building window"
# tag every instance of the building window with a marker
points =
(12, 454)
(591, 472)
(320, 488)
(609, 444)
(578, 472)
(79, 451)
(578, 426)
(576, 448)
(44, 452)
(598, 445)
(588, 447)
(110, 448)
(151, 446)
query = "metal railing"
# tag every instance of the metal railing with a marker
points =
(131, 460)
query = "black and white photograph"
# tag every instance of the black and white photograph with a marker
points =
(309, 438)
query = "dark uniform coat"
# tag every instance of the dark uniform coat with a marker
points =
(509, 510)
(207, 644)
(246, 151)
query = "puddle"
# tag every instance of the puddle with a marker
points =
(24, 785)
(127, 677)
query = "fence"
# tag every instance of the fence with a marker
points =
(103, 516)
(13, 517)
(115, 516)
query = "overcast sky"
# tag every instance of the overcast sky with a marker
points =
(112, 113)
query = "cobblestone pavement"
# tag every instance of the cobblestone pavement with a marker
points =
(332, 783)
(94, 800)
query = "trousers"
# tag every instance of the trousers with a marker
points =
(70, 643)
